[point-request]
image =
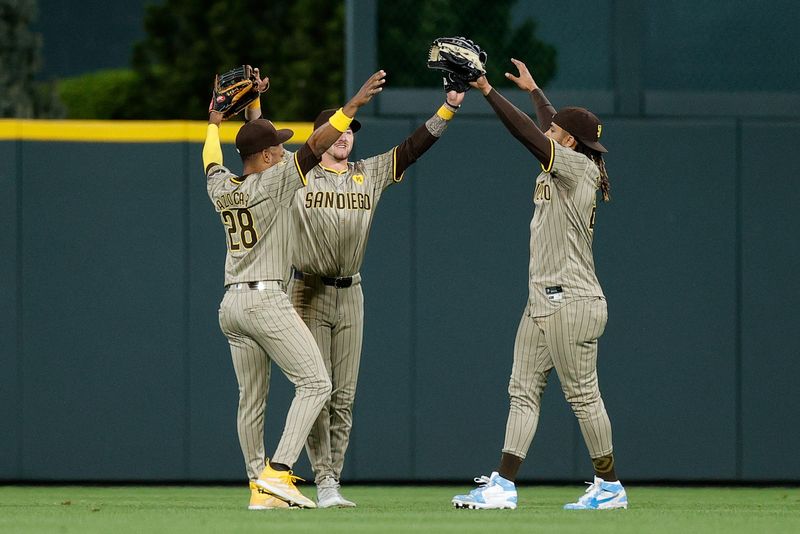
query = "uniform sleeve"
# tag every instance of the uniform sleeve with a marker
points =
(212, 150)
(305, 160)
(544, 110)
(217, 178)
(521, 127)
(280, 182)
(567, 167)
(414, 146)
(382, 169)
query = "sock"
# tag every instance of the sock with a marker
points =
(509, 465)
(604, 468)
(279, 467)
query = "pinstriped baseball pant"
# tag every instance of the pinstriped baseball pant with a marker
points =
(336, 320)
(566, 341)
(262, 327)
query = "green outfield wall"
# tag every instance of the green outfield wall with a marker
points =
(114, 368)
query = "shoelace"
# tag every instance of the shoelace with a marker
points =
(483, 481)
(590, 492)
(289, 477)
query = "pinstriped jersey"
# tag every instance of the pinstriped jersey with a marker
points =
(333, 214)
(256, 213)
(562, 266)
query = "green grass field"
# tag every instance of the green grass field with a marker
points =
(119, 510)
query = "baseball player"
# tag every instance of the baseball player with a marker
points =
(332, 218)
(566, 310)
(255, 314)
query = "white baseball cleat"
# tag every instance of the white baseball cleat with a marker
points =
(493, 492)
(328, 495)
(601, 495)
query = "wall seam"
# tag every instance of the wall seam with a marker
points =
(413, 337)
(739, 432)
(612, 58)
(187, 288)
(20, 345)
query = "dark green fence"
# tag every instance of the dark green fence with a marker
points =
(113, 366)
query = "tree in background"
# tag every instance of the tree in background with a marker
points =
(103, 94)
(407, 28)
(299, 45)
(20, 59)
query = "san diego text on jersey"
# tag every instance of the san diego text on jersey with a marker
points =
(330, 199)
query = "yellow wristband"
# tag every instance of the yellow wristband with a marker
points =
(445, 113)
(255, 104)
(340, 121)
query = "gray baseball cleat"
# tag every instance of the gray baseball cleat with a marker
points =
(328, 495)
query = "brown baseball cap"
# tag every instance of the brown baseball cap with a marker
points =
(259, 134)
(581, 124)
(326, 114)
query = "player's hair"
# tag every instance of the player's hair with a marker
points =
(254, 155)
(597, 158)
(250, 156)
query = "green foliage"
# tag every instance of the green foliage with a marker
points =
(299, 45)
(407, 28)
(46, 102)
(19, 58)
(103, 94)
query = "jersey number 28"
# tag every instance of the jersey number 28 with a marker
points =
(241, 232)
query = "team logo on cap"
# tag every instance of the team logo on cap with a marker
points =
(599, 131)
(358, 178)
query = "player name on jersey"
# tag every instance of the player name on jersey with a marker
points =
(330, 199)
(227, 200)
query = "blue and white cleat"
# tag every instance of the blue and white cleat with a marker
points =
(601, 495)
(494, 492)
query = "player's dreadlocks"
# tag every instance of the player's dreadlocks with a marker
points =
(605, 186)
(597, 157)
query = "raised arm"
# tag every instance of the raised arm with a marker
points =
(253, 111)
(323, 137)
(212, 150)
(310, 153)
(544, 110)
(516, 122)
(416, 144)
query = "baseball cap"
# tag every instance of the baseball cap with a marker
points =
(259, 134)
(326, 114)
(581, 124)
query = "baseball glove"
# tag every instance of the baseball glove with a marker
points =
(462, 61)
(233, 91)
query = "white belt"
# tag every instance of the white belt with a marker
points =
(258, 286)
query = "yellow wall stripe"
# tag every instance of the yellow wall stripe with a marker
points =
(131, 131)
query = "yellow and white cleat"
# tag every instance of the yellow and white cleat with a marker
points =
(261, 500)
(281, 485)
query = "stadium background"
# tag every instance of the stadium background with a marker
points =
(113, 366)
